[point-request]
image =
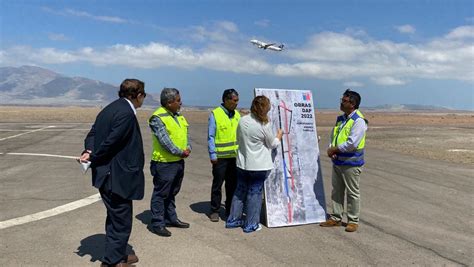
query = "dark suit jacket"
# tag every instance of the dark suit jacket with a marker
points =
(117, 149)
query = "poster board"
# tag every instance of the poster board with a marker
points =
(294, 192)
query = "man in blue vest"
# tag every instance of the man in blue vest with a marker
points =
(170, 147)
(347, 154)
(222, 147)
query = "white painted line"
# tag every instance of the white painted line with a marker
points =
(49, 130)
(42, 155)
(460, 150)
(52, 212)
(13, 136)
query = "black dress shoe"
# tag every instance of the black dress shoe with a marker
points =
(178, 224)
(159, 230)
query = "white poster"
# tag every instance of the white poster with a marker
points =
(294, 192)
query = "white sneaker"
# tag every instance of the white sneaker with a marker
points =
(259, 227)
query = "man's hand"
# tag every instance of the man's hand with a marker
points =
(84, 157)
(332, 152)
(213, 161)
(186, 153)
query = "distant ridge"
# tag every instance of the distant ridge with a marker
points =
(31, 85)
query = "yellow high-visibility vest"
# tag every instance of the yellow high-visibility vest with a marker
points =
(226, 133)
(340, 135)
(178, 134)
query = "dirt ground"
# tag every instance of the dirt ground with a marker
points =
(446, 136)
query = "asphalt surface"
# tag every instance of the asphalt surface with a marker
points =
(414, 212)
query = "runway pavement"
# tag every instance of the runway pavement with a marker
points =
(414, 211)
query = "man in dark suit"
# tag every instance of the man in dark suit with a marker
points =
(115, 149)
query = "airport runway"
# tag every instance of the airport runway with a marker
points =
(414, 211)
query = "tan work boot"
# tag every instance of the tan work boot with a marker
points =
(330, 223)
(352, 227)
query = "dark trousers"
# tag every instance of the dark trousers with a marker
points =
(167, 179)
(224, 170)
(118, 225)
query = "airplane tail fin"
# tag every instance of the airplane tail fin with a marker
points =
(281, 46)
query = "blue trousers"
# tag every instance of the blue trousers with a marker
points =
(248, 194)
(167, 179)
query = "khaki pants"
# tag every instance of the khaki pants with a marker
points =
(345, 179)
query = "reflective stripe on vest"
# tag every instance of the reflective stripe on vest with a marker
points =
(341, 134)
(178, 134)
(226, 133)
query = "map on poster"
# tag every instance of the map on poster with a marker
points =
(294, 192)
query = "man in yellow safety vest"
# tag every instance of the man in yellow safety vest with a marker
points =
(170, 147)
(347, 154)
(222, 147)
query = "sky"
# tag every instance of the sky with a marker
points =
(391, 52)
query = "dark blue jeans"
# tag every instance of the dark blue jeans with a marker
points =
(248, 194)
(167, 179)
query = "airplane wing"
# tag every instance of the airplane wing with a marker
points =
(265, 46)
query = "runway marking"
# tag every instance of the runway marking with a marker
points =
(49, 130)
(460, 150)
(16, 135)
(42, 155)
(51, 212)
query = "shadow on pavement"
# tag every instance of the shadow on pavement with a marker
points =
(94, 246)
(144, 217)
(201, 207)
(204, 207)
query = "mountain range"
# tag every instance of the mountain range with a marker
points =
(30, 85)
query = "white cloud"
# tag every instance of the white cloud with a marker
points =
(386, 80)
(77, 13)
(95, 17)
(220, 31)
(405, 28)
(353, 84)
(57, 37)
(262, 23)
(227, 26)
(461, 33)
(326, 55)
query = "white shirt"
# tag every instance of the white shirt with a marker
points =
(131, 105)
(255, 142)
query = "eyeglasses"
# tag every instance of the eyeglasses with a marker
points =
(144, 95)
(345, 100)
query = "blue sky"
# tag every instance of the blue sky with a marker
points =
(391, 52)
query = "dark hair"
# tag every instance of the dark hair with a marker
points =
(228, 94)
(354, 97)
(168, 95)
(130, 88)
(260, 108)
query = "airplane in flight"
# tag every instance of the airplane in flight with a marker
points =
(269, 46)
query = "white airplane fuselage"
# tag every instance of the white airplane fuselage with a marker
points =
(264, 45)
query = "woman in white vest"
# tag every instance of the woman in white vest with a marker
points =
(256, 140)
